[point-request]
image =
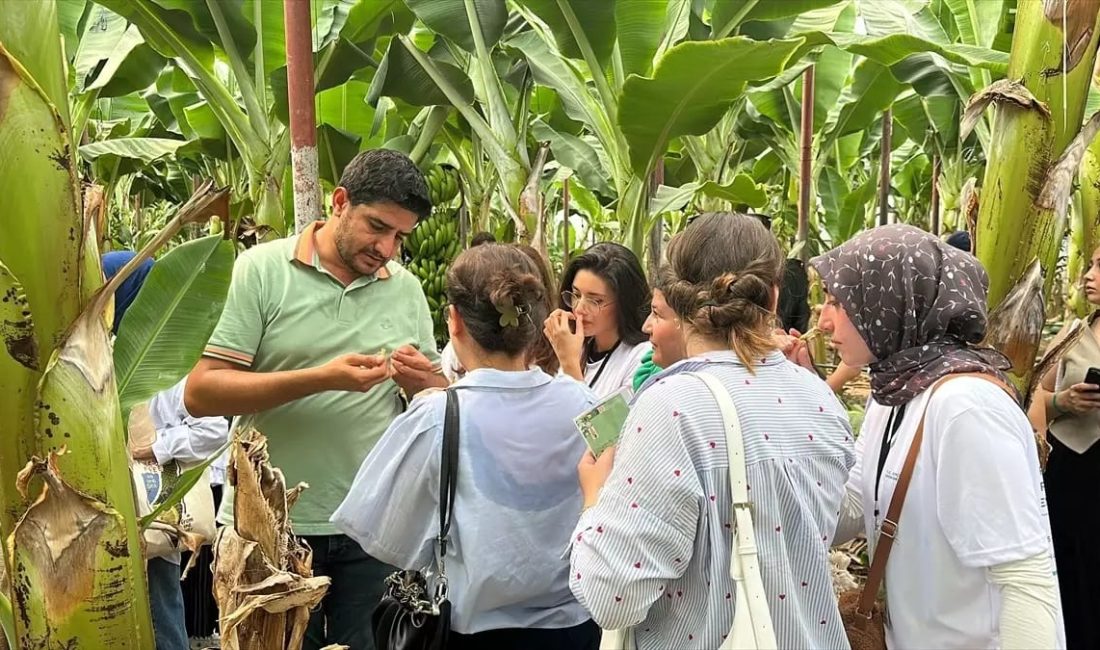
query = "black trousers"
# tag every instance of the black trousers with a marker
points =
(585, 636)
(1073, 491)
(357, 586)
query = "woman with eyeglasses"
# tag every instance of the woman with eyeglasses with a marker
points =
(597, 332)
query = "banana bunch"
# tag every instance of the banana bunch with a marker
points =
(442, 185)
(432, 246)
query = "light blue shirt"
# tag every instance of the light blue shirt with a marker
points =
(517, 501)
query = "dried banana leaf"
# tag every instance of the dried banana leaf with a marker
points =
(263, 576)
(1016, 325)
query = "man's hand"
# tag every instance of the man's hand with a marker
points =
(413, 372)
(356, 372)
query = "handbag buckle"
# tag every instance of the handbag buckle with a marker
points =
(889, 528)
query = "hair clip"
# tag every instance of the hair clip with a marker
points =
(510, 313)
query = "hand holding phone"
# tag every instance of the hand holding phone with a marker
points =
(1081, 398)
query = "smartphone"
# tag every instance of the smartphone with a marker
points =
(1093, 376)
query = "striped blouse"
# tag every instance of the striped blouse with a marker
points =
(654, 552)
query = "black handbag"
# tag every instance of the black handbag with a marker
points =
(414, 613)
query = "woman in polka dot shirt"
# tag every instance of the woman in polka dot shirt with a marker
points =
(652, 548)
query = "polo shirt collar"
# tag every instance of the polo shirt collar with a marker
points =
(492, 378)
(304, 251)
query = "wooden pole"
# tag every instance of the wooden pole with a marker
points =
(884, 168)
(303, 120)
(656, 233)
(566, 250)
(935, 220)
(805, 174)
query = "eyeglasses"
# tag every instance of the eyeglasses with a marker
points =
(575, 300)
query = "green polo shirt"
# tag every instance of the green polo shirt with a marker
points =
(285, 312)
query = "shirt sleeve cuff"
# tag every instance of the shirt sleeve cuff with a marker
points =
(228, 354)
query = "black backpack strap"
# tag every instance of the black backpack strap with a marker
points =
(448, 476)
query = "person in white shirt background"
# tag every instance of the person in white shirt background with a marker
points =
(597, 331)
(972, 565)
(178, 437)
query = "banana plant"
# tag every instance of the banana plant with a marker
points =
(232, 54)
(1037, 112)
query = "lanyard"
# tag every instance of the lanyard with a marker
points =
(897, 414)
(599, 371)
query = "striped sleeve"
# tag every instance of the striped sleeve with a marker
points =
(240, 328)
(632, 542)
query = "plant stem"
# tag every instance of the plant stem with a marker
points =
(257, 115)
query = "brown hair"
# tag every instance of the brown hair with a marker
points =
(541, 353)
(720, 279)
(485, 284)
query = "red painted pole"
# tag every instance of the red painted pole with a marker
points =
(303, 120)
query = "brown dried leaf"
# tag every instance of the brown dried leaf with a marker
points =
(59, 536)
(1059, 181)
(1079, 19)
(1005, 92)
(1016, 325)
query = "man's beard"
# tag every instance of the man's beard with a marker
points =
(349, 256)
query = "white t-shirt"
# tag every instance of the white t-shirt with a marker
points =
(618, 371)
(976, 500)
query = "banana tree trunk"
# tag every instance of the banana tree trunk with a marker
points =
(1084, 229)
(67, 508)
(1033, 121)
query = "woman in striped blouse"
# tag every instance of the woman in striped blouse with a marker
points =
(653, 551)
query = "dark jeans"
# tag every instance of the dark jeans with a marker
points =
(166, 603)
(357, 584)
(585, 636)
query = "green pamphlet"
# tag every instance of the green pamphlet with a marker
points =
(600, 425)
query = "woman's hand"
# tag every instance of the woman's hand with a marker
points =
(593, 473)
(1078, 399)
(568, 345)
(795, 349)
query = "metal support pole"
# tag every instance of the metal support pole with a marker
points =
(303, 121)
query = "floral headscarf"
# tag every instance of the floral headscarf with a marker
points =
(919, 304)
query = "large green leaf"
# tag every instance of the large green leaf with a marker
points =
(891, 49)
(577, 154)
(173, 34)
(563, 77)
(201, 21)
(145, 150)
(742, 190)
(641, 26)
(669, 199)
(70, 14)
(728, 14)
(400, 75)
(448, 17)
(162, 335)
(913, 17)
(873, 90)
(272, 49)
(335, 149)
(977, 20)
(691, 89)
(597, 20)
(103, 32)
(345, 108)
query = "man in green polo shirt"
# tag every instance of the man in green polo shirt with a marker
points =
(303, 344)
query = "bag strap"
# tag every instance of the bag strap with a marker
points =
(448, 474)
(744, 564)
(889, 529)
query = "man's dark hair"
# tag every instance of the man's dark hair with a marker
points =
(386, 176)
(482, 238)
(619, 267)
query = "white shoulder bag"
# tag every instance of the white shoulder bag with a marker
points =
(752, 621)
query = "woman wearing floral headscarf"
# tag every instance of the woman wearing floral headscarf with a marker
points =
(972, 564)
